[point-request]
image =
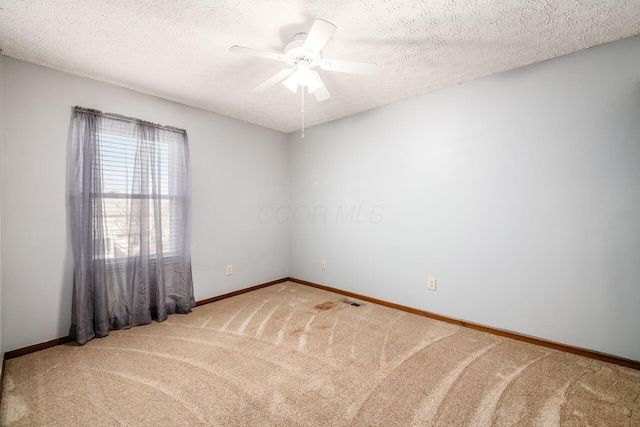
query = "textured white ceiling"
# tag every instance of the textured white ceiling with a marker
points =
(178, 49)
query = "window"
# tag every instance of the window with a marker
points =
(124, 192)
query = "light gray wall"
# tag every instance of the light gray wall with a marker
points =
(519, 193)
(236, 169)
(1, 197)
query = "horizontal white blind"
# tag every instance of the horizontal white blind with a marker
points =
(139, 193)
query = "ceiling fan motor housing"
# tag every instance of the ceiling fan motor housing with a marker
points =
(295, 52)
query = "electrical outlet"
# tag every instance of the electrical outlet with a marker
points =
(229, 270)
(431, 284)
(323, 264)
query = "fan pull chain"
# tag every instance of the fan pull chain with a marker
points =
(302, 110)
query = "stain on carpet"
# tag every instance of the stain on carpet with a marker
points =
(327, 305)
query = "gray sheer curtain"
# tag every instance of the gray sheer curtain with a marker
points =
(129, 187)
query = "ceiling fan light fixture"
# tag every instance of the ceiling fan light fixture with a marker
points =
(304, 77)
(291, 83)
(315, 82)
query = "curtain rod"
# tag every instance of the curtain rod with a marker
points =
(129, 119)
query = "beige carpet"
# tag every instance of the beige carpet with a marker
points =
(291, 355)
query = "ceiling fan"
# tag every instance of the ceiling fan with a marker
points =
(302, 55)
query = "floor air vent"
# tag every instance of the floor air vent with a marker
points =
(353, 303)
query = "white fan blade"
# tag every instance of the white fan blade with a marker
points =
(259, 53)
(273, 80)
(318, 35)
(321, 94)
(352, 67)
